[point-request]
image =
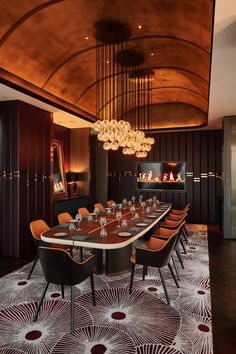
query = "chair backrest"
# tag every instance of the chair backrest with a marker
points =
(99, 206)
(157, 258)
(180, 211)
(176, 217)
(172, 224)
(60, 268)
(83, 212)
(109, 203)
(37, 227)
(64, 217)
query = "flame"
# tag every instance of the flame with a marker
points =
(167, 177)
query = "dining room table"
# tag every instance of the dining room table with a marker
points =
(112, 241)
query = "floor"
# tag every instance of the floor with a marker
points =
(223, 288)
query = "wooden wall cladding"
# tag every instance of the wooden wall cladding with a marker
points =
(25, 174)
(202, 150)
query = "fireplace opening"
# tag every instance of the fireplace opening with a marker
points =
(161, 175)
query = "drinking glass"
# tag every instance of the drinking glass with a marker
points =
(72, 225)
(96, 211)
(102, 222)
(118, 217)
(143, 207)
(133, 199)
(124, 202)
(113, 207)
(124, 223)
(79, 218)
(136, 215)
(132, 209)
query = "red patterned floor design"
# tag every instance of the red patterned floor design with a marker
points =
(120, 323)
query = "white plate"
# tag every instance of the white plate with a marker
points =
(124, 234)
(141, 224)
(151, 216)
(74, 220)
(60, 234)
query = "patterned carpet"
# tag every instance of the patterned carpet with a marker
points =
(120, 323)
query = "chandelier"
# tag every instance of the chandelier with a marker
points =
(123, 91)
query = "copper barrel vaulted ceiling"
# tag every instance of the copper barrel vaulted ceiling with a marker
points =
(48, 48)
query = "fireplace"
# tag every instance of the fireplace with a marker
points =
(168, 175)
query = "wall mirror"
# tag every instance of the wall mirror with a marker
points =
(59, 181)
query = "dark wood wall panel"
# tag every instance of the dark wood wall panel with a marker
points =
(25, 174)
(202, 152)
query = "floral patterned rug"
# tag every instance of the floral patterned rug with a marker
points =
(120, 323)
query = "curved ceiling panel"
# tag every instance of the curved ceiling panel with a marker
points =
(50, 46)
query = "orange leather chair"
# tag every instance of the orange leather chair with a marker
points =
(99, 206)
(83, 212)
(36, 228)
(64, 217)
(109, 203)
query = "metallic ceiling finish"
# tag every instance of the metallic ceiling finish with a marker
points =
(43, 47)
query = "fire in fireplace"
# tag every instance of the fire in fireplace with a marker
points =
(161, 175)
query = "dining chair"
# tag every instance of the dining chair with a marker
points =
(83, 212)
(173, 225)
(180, 211)
(163, 234)
(99, 206)
(61, 269)
(157, 258)
(64, 218)
(36, 228)
(109, 203)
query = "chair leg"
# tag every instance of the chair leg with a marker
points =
(92, 288)
(62, 291)
(184, 235)
(71, 252)
(164, 286)
(173, 275)
(81, 254)
(176, 270)
(72, 307)
(179, 257)
(132, 277)
(182, 244)
(41, 301)
(32, 268)
(144, 271)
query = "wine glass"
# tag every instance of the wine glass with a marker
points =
(118, 217)
(124, 202)
(143, 207)
(113, 207)
(102, 222)
(79, 218)
(96, 211)
(133, 199)
(132, 209)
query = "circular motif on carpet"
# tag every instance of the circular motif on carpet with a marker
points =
(18, 328)
(154, 286)
(143, 317)
(195, 299)
(10, 351)
(95, 340)
(14, 288)
(157, 349)
(199, 331)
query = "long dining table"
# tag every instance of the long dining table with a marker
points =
(113, 250)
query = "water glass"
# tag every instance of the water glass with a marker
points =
(72, 225)
(136, 215)
(109, 211)
(118, 217)
(90, 217)
(132, 209)
(96, 211)
(113, 207)
(124, 223)
(79, 218)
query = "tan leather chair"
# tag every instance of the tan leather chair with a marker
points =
(99, 206)
(64, 217)
(83, 212)
(109, 203)
(36, 228)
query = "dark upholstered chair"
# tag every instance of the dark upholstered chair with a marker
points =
(36, 228)
(157, 258)
(60, 268)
